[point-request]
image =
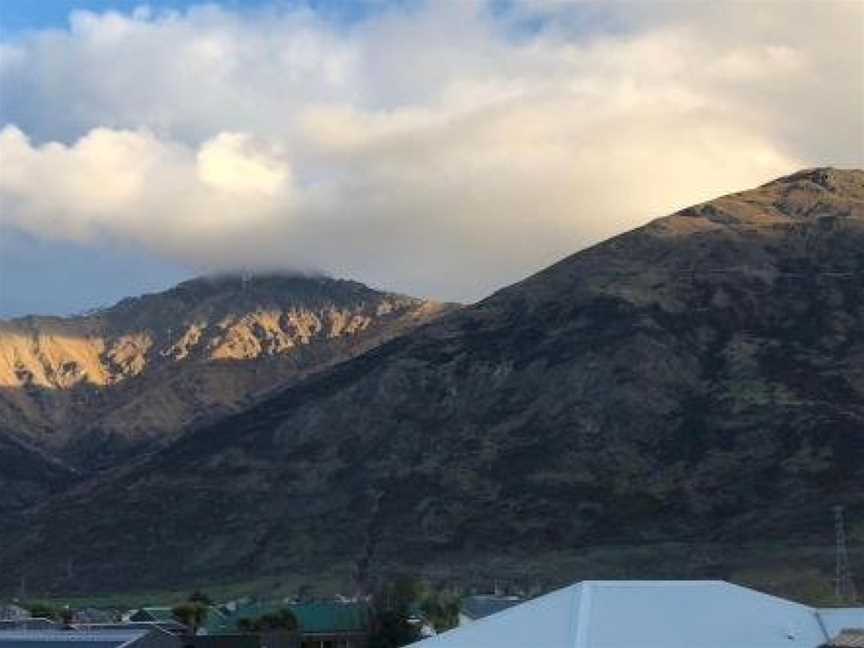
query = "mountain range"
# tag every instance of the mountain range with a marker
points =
(683, 400)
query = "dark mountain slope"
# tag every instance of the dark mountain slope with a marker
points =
(697, 382)
(28, 476)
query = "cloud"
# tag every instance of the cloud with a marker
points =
(440, 149)
(232, 163)
(132, 186)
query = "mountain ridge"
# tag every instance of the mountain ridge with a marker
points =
(694, 385)
(217, 342)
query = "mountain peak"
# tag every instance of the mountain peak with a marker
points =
(147, 366)
(850, 180)
(805, 195)
(237, 292)
(734, 235)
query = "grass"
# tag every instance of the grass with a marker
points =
(262, 588)
(799, 573)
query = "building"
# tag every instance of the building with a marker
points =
(151, 614)
(29, 624)
(326, 624)
(88, 639)
(12, 612)
(651, 614)
(96, 615)
(164, 617)
(331, 624)
(478, 607)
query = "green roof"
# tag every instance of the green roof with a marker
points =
(314, 618)
(331, 617)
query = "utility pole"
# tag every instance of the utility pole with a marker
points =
(23, 594)
(844, 585)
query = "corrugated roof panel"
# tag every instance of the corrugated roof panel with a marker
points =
(331, 617)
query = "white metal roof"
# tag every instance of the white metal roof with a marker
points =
(835, 620)
(647, 614)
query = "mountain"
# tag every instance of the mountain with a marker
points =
(686, 399)
(98, 389)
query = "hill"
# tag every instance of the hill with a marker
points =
(685, 399)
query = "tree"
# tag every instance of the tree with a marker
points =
(191, 614)
(306, 593)
(441, 609)
(283, 620)
(392, 629)
(393, 606)
(67, 615)
(42, 611)
(200, 597)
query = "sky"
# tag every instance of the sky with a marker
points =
(442, 149)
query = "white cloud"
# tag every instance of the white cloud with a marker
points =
(113, 184)
(437, 150)
(231, 162)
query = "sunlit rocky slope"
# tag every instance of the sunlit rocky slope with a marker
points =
(686, 399)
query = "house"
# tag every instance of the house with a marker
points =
(164, 617)
(478, 607)
(326, 624)
(12, 612)
(649, 614)
(88, 639)
(331, 624)
(96, 615)
(159, 614)
(29, 624)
